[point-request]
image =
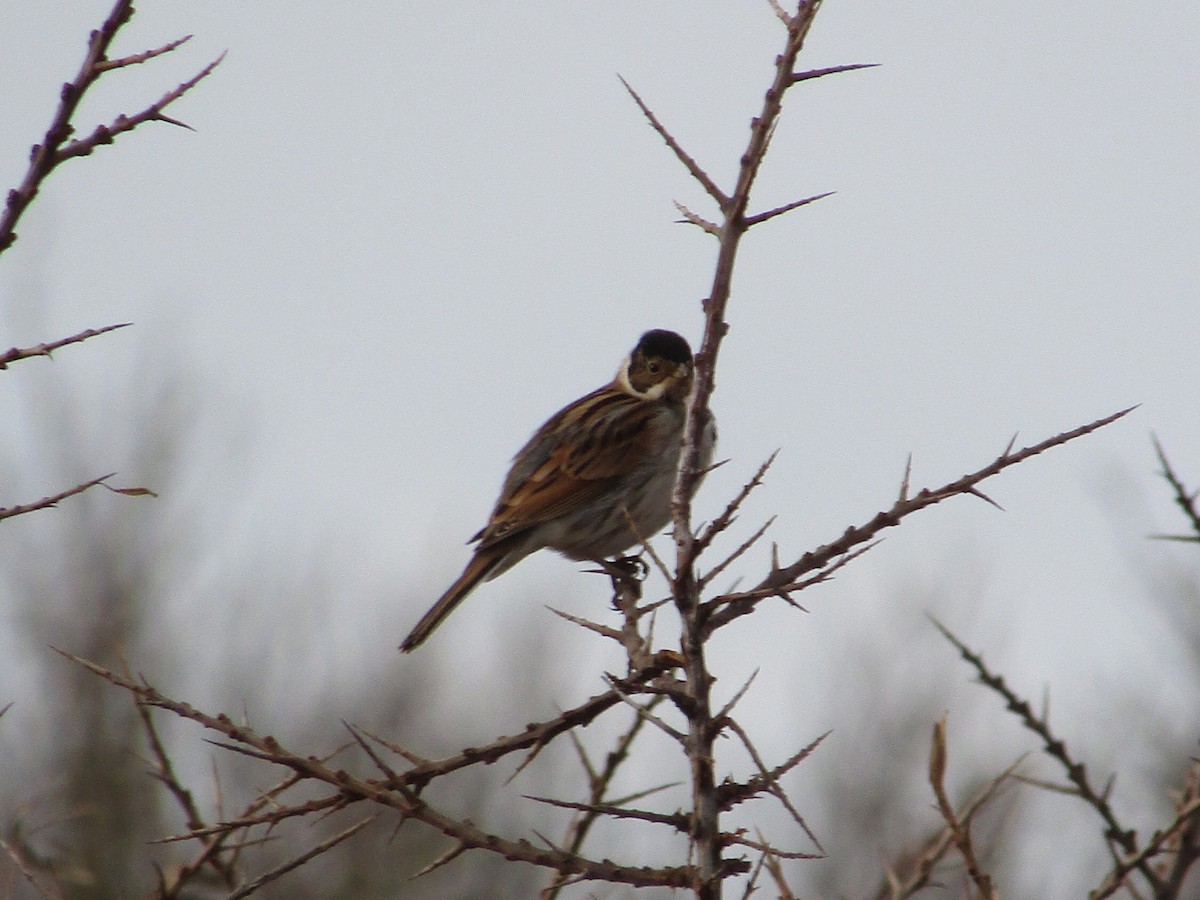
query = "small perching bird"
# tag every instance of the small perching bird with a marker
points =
(596, 478)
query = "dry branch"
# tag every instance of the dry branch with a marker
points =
(106, 134)
(771, 785)
(729, 515)
(1185, 499)
(731, 793)
(400, 795)
(212, 845)
(1186, 819)
(282, 869)
(391, 786)
(1055, 747)
(705, 833)
(52, 501)
(960, 831)
(919, 871)
(599, 783)
(723, 610)
(682, 155)
(13, 354)
(677, 821)
(56, 145)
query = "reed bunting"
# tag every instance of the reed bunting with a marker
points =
(598, 466)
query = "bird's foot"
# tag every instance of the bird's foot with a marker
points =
(627, 574)
(633, 568)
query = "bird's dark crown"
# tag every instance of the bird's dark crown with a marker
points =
(665, 345)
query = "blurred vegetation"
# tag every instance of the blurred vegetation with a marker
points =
(169, 588)
(116, 579)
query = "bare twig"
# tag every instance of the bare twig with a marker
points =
(706, 835)
(1182, 841)
(106, 134)
(918, 874)
(960, 832)
(785, 577)
(52, 501)
(731, 793)
(333, 802)
(599, 783)
(13, 354)
(784, 591)
(296, 862)
(771, 860)
(1185, 499)
(145, 56)
(707, 578)
(401, 797)
(743, 841)
(733, 701)
(770, 783)
(682, 155)
(691, 218)
(56, 145)
(1123, 837)
(453, 853)
(677, 821)
(729, 515)
(1185, 818)
(211, 845)
(767, 215)
(644, 710)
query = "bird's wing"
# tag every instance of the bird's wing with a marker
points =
(582, 452)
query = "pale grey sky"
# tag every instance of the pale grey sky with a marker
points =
(404, 234)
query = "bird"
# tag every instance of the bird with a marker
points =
(596, 478)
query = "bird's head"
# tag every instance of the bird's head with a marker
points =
(659, 366)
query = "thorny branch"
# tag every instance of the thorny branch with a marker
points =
(14, 353)
(52, 501)
(599, 783)
(784, 579)
(400, 791)
(1185, 499)
(705, 831)
(1182, 832)
(1115, 832)
(267, 877)
(57, 146)
(396, 788)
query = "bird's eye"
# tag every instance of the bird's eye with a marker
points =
(653, 368)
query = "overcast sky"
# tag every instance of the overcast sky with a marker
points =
(401, 235)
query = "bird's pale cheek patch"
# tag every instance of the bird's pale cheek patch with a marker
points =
(654, 392)
(623, 377)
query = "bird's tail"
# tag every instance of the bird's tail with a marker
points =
(479, 568)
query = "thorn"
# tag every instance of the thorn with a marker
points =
(165, 118)
(761, 217)
(831, 70)
(982, 496)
